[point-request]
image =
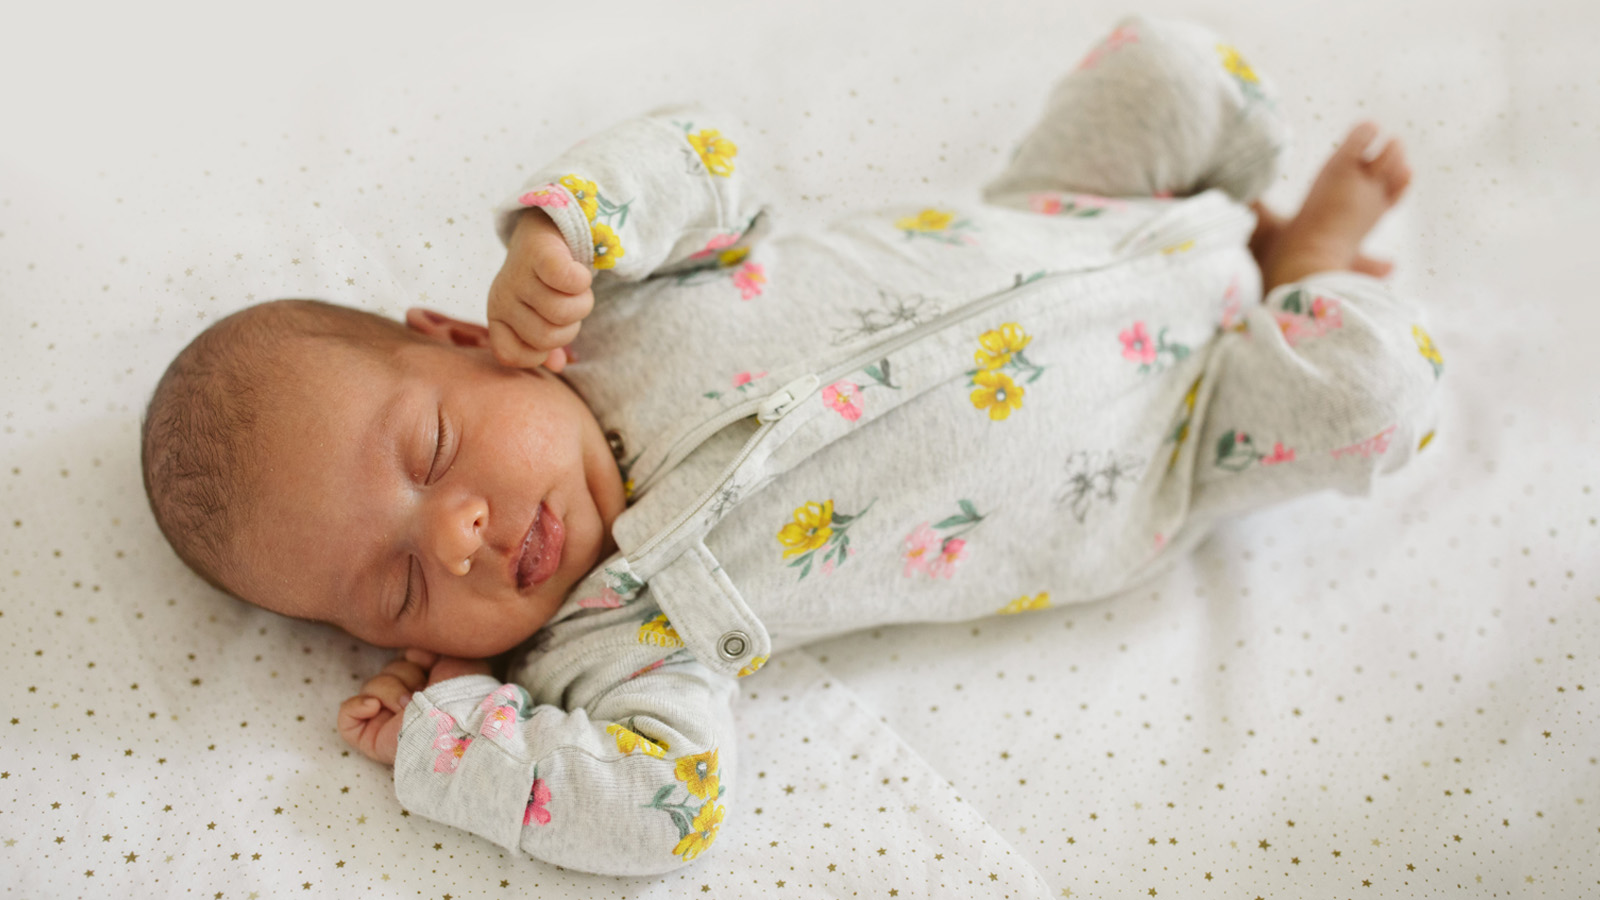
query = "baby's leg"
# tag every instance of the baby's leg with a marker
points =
(1160, 108)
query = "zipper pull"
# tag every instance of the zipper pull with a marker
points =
(778, 403)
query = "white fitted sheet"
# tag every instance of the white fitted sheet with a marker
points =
(1380, 697)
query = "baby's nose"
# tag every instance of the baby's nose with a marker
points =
(458, 533)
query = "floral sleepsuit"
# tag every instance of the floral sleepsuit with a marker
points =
(931, 413)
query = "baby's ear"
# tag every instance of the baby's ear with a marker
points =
(445, 329)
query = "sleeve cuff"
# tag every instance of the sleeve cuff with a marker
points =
(563, 209)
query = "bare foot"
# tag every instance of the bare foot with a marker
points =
(1269, 232)
(1347, 199)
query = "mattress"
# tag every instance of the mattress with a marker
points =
(1383, 696)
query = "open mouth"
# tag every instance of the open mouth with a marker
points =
(541, 549)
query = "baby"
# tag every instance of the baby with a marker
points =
(677, 447)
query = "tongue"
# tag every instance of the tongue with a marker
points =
(533, 554)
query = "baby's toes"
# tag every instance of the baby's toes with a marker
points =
(1391, 168)
(1356, 142)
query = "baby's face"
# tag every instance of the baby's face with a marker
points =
(439, 501)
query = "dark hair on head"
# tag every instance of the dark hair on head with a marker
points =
(197, 443)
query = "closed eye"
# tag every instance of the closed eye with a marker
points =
(416, 587)
(441, 438)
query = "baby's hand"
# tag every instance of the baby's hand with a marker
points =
(370, 721)
(539, 299)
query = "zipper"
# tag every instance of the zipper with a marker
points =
(782, 401)
(774, 406)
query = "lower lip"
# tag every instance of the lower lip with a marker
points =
(550, 537)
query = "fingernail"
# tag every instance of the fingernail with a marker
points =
(405, 701)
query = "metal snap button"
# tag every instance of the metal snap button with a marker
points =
(733, 645)
(614, 438)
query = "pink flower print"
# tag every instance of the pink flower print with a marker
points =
(827, 567)
(501, 714)
(538, 798)
(744, 378)
(500, 722)
(451, 746)
(943, 564)
(1280, 454)
(1377, 445)
(844, 397)
(749, 279)
(1293, 327)
(451, 750)
(499, 697)
(442, 722)
(545, 196)
(1325, 312)
(608, 599)
(1123, 35)
(1137, 345)
(1161, 540)
(650, 668)
(716, 243)
(1162, 195)
(1095, 201)
(919, 549)
(1048, 204)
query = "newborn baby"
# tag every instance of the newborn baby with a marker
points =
(678, 447)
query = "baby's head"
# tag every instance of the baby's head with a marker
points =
(394, 480)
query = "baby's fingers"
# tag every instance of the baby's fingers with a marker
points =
(389, 690)
(553, 264)
(510, 350)
(537, 331)
(354, 714)
(411, 674)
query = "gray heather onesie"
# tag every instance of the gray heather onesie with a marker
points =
(930, 413)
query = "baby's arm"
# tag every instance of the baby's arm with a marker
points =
(626, 776)
(643, 196)
(370, 721)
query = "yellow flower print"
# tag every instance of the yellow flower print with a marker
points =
(732, 256)
(1178, 248)
(927, 220)
(810, 529)
(1026, 604)
(1235, 64)
(703, 832)
(996, 347)
(659, 632)
(607, 248)
(699, 774)
(755, 666)
(997, 393)
(627, 489)
(1426, 348)
(585, 192)
(1181, 434)
(716, 151)
(1426, 440)
(628, 742)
